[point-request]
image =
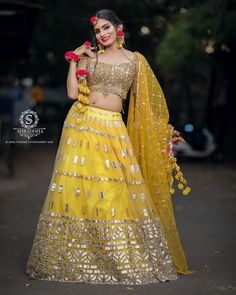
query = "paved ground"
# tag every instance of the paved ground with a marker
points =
(206, 222)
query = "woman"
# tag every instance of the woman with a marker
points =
(108, 217)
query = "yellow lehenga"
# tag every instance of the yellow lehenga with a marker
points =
(103, 220)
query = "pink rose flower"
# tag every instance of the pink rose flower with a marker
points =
(71, 55)
(82, 72)
(87, 44)
(93, 20)
(120, 33)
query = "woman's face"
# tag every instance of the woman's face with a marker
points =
(105, 32)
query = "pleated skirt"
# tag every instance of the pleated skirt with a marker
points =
(98, 223)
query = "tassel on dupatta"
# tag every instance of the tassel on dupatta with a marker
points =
(150, 135)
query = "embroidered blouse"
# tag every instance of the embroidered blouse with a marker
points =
(110, 78)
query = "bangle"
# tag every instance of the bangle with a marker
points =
(70, 55)
(82, 73)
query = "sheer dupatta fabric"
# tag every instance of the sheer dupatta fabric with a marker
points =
(150, 135)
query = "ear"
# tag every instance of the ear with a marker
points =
(120, 27)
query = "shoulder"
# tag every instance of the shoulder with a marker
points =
(140, 56)
(129, 53)
(133, 54)
(137, 56)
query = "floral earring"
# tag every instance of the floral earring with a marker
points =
(120, 36)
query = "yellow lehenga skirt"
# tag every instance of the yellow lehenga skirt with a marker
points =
(98, 223)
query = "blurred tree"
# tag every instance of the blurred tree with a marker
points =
(178, 37)
(193, 30)
(199, 47)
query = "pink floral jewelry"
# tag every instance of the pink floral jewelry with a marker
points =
(93, 20)
(71, 55)
(84, 91)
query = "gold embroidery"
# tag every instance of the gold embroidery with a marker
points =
(53, 186)
(129, 252)
(79, 128)
(60, 188)
(113, 211)
(75, 159)
(77, 191)
(111, 78)
(93, 177)
(114, 120)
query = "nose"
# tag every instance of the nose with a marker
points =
(102, 34)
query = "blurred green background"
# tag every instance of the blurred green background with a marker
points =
(189, 44)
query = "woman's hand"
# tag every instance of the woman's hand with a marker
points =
(176, 138)
(83, 50)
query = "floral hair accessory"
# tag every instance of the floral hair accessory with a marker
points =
(93, 20)
(87, 44)
(69, 55)
(120, 33)
(82, 72)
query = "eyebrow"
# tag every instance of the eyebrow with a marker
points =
(102, 26)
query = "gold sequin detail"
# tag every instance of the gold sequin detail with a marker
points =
(107, 164)
(82, 161)
(75, 159)
(113, 211)
(60, 188)
(111, 78)
(80, 128)
(93, 177)
(53, 186)
(101, 195)
(77, 191)
(70, 249)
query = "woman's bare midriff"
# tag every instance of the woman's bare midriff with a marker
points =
(111, 102)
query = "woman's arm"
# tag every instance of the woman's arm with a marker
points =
(71, 82)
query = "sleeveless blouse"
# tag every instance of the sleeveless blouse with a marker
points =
(110, 78)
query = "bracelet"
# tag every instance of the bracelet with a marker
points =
(82, 73)
(70, 55)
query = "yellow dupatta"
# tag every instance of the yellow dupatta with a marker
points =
(150, 135)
